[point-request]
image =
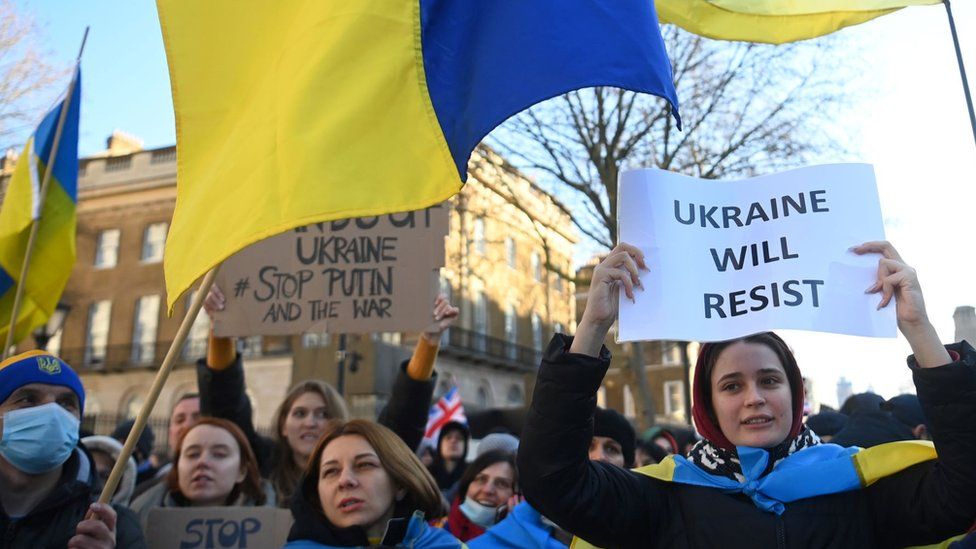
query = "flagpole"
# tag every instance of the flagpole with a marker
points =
(164, 369)
(962, 67)
(42, 195)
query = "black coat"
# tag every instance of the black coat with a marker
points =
(222, 395)
(613, 507)
(52, 522)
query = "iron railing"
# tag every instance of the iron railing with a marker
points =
(493, 349)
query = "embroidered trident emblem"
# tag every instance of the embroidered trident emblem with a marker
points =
(49, 365)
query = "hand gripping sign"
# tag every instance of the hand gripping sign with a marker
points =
(731, 258)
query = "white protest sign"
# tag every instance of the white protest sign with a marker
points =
(732, 258)
(217, 527)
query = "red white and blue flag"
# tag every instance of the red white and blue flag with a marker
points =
(448, 408)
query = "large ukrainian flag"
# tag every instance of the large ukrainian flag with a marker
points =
(54, 249)
(296, 111)
(774, 21)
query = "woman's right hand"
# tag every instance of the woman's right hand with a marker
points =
(620, 270)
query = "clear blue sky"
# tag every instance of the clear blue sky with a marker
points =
(126, 83)
(914, 129)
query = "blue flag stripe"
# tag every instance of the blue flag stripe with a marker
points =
(66, 163)
(6, 281)
(486, 60)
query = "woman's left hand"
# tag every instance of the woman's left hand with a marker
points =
(896, 280)
(899, 281)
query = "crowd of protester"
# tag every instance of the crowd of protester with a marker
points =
(755, 471)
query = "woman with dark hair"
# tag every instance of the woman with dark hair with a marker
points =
(365, 487)
(213, 467)
(759, 478)
(484, 489)
(310, 406)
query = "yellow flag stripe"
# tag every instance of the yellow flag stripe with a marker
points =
(705, 19)
(812, 7)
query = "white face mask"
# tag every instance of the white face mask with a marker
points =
(482, 515)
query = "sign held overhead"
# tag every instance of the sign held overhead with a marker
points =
(367, 274)
(731, 258)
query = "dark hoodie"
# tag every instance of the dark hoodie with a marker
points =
(53, 521)
(447, 480)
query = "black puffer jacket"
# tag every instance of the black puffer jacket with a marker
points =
(52, 523)
(222, 395)
(612, 507)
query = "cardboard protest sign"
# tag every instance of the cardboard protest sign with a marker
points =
(731, 258)
(368, 274)
(217, 527)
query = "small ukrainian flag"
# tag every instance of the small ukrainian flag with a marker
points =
(54, 249)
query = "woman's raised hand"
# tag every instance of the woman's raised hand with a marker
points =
(898, 281)
(619, 271)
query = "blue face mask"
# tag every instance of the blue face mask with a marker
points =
(482, 515)
(39, 439)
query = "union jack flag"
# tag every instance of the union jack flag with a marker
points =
(448, 408)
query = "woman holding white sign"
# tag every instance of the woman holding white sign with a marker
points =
(760, 478)
(363, 488)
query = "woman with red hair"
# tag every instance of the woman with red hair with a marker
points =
(214, 466)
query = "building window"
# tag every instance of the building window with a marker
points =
(107, 249)
(392, 338)
(674, 399)
(133, 405)
(557, 328)
(601, 397)
(311, 340)
(511, 331)
(480, 239)
(558, 282)
(144, 329)
(153, 241)
(480, 320)
(536, 266)
(196, 343)
(483, 397)
(510, 251)
(536, 332)
(514, 397)
(96, 341)
(54, 344)
(670, 353)
(630, 407)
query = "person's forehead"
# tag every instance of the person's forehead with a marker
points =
(44, 389)
(187, 406)
(499, 469)
(208, 435)
(605, 440)
(345, 447)
(309, 399)
(746, 358)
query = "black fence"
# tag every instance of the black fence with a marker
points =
(478, 345)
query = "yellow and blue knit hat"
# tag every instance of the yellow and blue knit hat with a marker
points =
(38, 367)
